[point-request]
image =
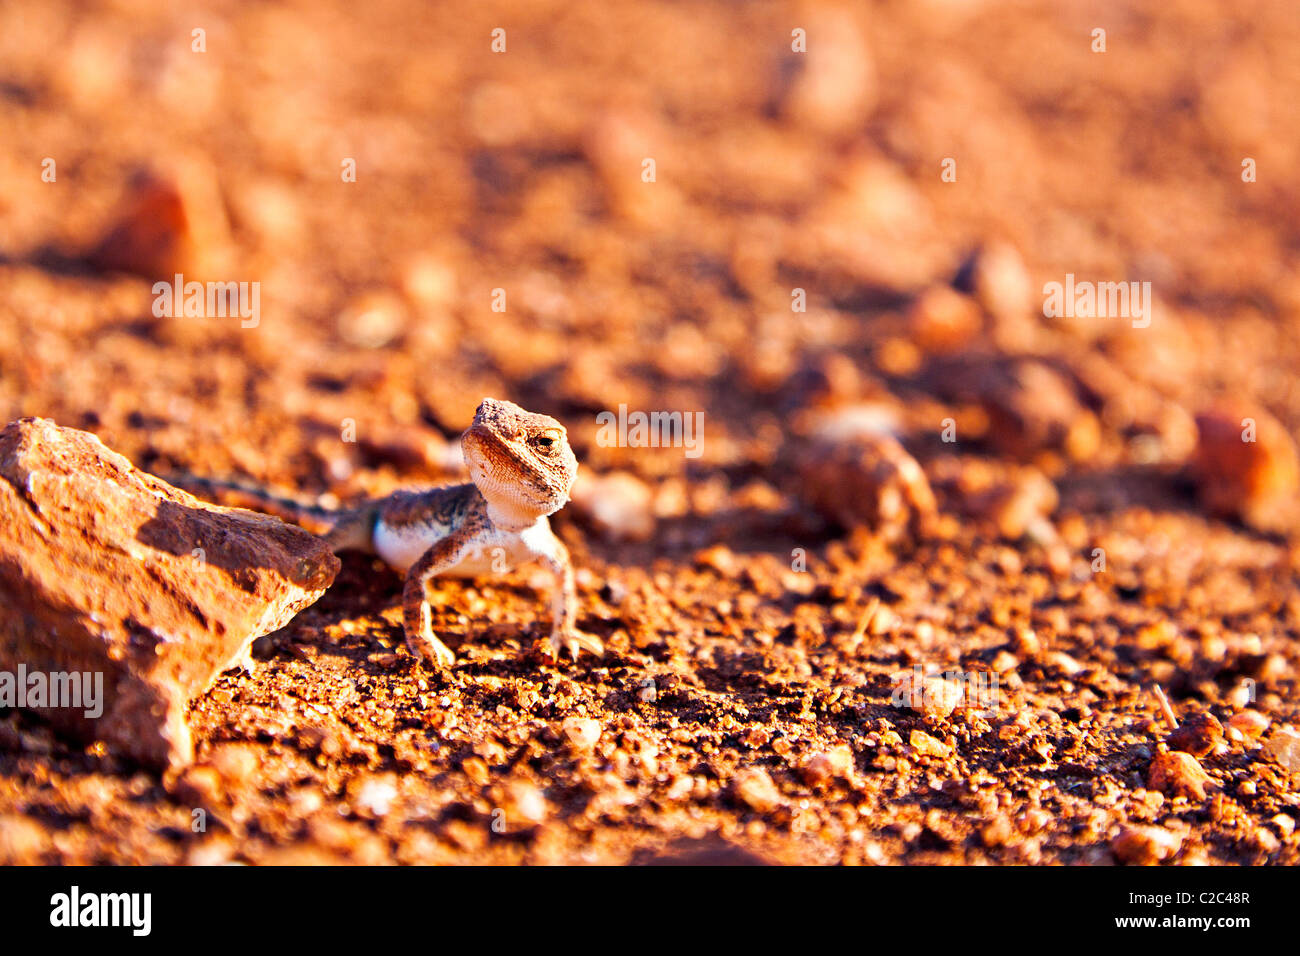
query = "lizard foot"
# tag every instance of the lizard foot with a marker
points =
(425, 645)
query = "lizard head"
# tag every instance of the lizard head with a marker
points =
(519, 460)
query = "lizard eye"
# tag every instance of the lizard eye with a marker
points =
(548, 441)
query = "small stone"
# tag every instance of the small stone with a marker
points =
(372, 320)
(863, 478)
(200, 786)
(618, 504)
(1004, 662)
(1284, 747)
(375, 796)
(754, 787)
(1251, 724)
(835, 88)
(526, 802)
(582, 732)
(1146, 845)
(928, 746)
(237, 763)
(1026, 642)
(718, 557)
(1197, 735)
(932, 696)
(1063, 662)
(1178, 774)
(169, 221)
(943, 320)
(22, 841)
(1246, 465)
(1001, 281)
(476, 769)
(820, 768)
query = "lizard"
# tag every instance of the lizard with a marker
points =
(522, 470)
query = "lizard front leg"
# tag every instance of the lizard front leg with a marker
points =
(564, 604)
(442, 555)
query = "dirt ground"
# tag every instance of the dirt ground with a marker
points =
(757, 610)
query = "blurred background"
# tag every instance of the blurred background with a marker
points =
(216, 140)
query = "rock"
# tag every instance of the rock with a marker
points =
(105, 570)
(476, 769)
(1178, 774)
(22, 841)
(755, 788)
(1017, 499)
(525, 802)
(372, 320)
(374, 796)
(582, 732)
(169, 221)
(822, 767)
(863, 477)
(720, 558)
(1145, 845)
(1246, 465)
(1283, 745)
(932, 696)
(928, 746)
(618, 504)
(1032, 407)
(835, 89)
(1251, 724)
(1001, 281)
(1197, 735)
(943, 320)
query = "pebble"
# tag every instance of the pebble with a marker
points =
(1251, 724)
(928, 746)
(755, 788)
(526, 801)
(1250, 480)
(618, 504)
(476, 769)
(582, 732)
(1145, 845)
(836, 87)
(168, 221)
(372, 320)
(1001, 280)
(932, 696)
(1178, 774)
(1284, 747)
(943, 320)
(822, 767)
(1197, 735)
(375, 796)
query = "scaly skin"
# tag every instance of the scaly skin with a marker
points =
(522, 469)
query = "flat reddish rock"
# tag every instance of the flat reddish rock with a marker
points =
(105, 569)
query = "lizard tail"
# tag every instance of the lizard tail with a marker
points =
(237, 494)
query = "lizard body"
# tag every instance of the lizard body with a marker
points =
(522, 470)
